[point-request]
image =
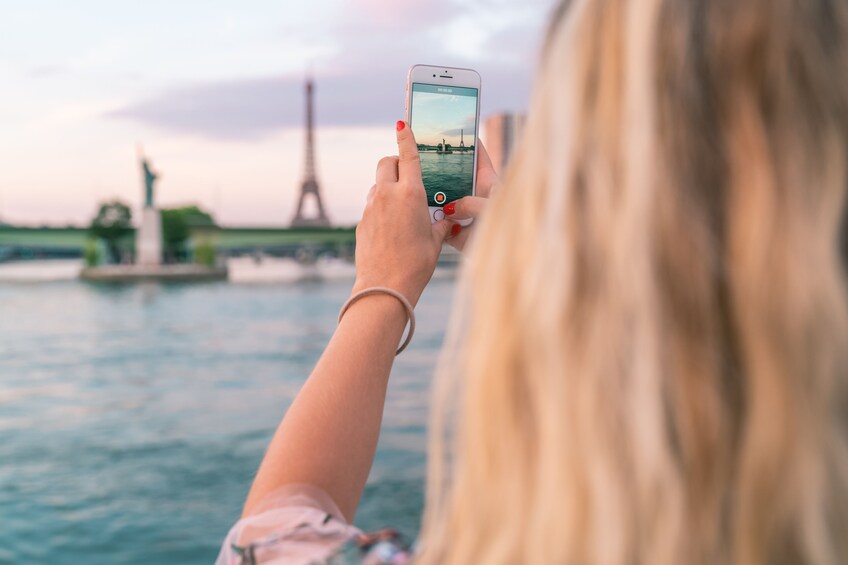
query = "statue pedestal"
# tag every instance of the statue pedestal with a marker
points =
(148, 239)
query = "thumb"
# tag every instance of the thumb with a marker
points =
(441, 229)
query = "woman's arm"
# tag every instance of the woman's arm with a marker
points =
(329, 434)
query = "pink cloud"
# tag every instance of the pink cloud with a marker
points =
(408, 13)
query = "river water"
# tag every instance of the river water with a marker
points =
(451, 173)
(132, 418)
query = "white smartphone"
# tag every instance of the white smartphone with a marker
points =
(443, 110)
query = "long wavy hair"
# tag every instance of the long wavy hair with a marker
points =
(649, 357)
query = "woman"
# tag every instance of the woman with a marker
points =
(649, 357)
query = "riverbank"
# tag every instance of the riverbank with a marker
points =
(258, 269)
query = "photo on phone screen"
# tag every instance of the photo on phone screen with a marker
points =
(444, 121)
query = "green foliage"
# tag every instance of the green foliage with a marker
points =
(174, 231)
(90, 253)
(112, 222)
(204, 254)
(195, 217)
(176, 224)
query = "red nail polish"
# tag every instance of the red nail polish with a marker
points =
(455, 229)
(450, 208)
(400, 125)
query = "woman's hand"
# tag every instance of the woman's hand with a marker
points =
(473, 206)
(396, 245)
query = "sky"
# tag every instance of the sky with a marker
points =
(440, 117)
(213, 91)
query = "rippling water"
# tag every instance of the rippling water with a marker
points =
(452, 174)
(132, 418)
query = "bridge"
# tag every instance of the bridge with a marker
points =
(23, 243)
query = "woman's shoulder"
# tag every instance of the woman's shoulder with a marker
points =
(302, 524)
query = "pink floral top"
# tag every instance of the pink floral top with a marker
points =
(300, 524)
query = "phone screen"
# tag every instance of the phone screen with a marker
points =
(444, 121)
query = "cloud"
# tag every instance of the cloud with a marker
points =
(254, 108)
(45, 71)
(362, 84)
(456, 132)
(409, 14)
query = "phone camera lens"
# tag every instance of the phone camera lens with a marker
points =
(434, 76)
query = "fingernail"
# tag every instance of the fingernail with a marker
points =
(455, 229)
(400, 125)
(450, 208)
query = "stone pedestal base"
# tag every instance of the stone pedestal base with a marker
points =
(148, 239)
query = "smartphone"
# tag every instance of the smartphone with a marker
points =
(443, 110)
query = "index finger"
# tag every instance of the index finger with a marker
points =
(409, 163)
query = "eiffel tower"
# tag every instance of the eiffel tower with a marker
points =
(309, 186)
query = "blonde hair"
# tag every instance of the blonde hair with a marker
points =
(648, 360)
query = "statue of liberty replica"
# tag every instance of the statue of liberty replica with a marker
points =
(148, 239)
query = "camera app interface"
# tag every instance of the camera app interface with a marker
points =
(444, 121)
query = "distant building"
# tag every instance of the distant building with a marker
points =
(502, 132)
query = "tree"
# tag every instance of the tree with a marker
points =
(90, 253)
(112, 223)
(176, 224)
(204, 254)
(174, 232)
